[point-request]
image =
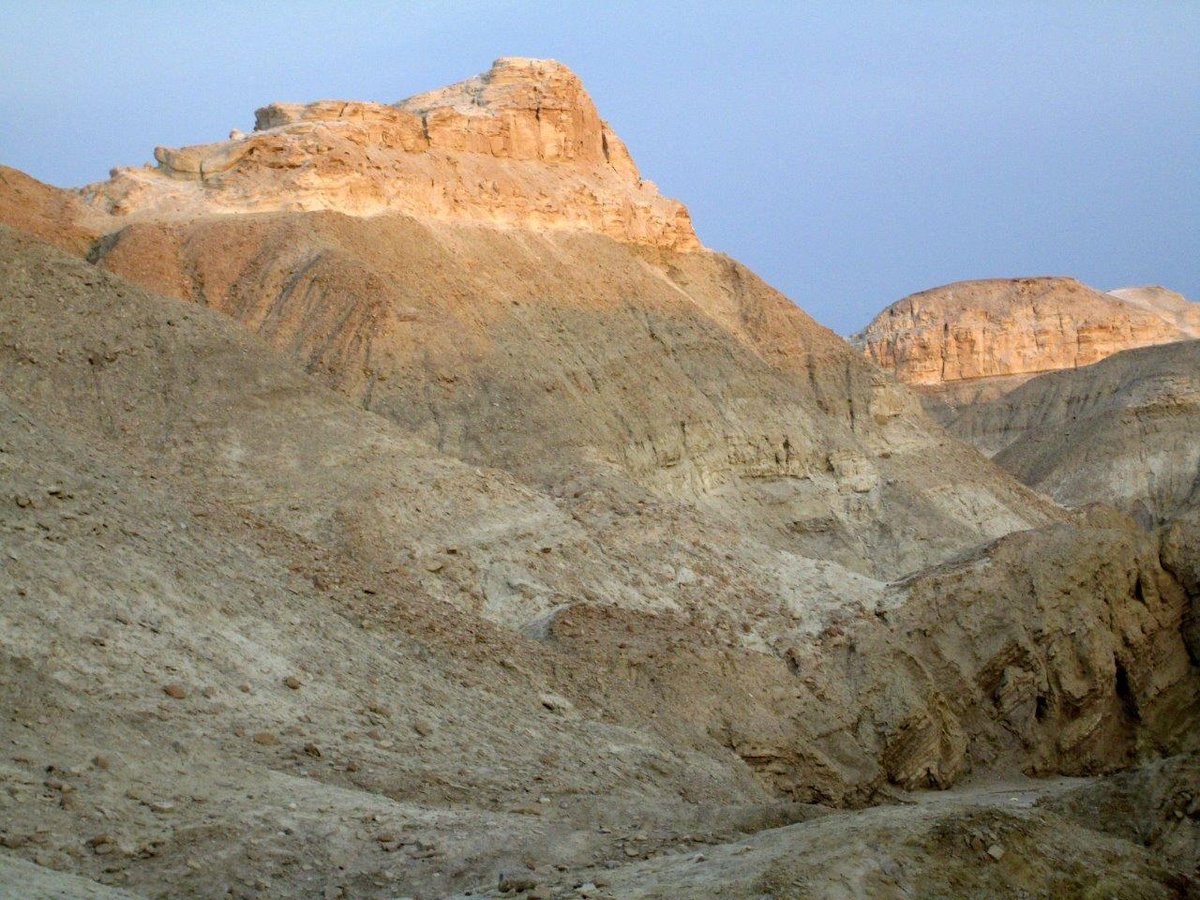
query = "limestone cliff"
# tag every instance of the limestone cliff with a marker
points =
(521, 145)
(975, 340)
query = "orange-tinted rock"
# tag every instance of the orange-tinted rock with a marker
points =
(521, 145)
(52, 214)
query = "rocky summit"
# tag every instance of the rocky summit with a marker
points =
(400, 501)
(521, 145)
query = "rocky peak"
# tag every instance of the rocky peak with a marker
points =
(521, 109)
(521, 145)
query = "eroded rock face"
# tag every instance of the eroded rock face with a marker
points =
(521, 145)
(978, 339)
(553, 354)
(1062, 649)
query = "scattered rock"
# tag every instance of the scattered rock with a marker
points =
(556, 703)
(102, 844)
(511, 882)
(175, 690)
(527, 810)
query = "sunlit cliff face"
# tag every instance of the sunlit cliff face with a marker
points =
(521, 145)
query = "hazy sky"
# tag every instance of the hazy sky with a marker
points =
(851, 153)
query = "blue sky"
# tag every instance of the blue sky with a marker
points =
(851, 153)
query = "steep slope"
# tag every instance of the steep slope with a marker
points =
(1122, 431)
(193, 522)
(975, 340)
(548, 354)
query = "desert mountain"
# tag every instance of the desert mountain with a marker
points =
(548, 330)
(400, 497)
(975, 340)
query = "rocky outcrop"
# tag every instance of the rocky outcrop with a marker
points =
(975, 340)
(1062, 648)
(1059, 650)
(521, 145)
